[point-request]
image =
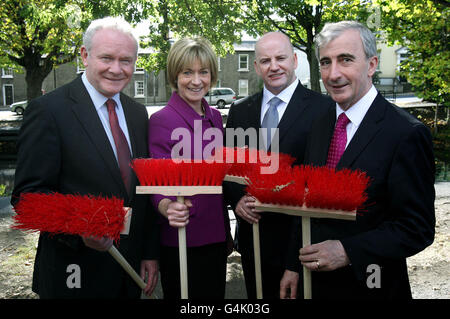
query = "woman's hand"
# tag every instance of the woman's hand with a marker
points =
(176, 213)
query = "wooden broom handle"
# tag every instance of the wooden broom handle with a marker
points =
(257, 254)
(306, 241)
(183, 257)
(126, 266)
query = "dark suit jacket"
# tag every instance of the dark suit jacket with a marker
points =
(304, 106)
(63, 148)
(396, 152)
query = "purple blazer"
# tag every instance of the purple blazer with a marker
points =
(208, 222)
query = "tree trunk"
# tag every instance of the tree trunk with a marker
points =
(435, 128)
(314, 73)
(34, 79)
(164, 32)
(36, 70)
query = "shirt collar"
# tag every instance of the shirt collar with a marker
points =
(357, 111)
(97, 98)
(186, 110)
(284, 95)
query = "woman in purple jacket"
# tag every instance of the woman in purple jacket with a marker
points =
(178, 130)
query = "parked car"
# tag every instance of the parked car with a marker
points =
(19, 107)
(220, 97)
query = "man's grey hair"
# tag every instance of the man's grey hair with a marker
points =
(115, 23)
(333, 30)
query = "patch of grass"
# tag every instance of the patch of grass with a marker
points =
(21, 258)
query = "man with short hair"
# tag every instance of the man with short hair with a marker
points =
(80, 139)
(285, 105)
(366, 258)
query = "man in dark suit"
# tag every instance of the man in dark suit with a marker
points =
(296, 109)
(69, 144)
(366, 258)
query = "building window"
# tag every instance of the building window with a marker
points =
(7, 73)
(139, 89)
(243, 62)
(80, 65)
(243, 87)
(138, 69)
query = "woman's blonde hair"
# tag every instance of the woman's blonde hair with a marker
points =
(185, 52)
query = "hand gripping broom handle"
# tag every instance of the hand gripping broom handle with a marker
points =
(257, 255)
(183, 257)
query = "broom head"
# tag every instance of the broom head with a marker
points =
(309, 186)
(166, 172)
(70, 214)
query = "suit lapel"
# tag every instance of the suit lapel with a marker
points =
(295, 107)
(254, 111)
(368, 129)
(129, 119)
(85, 111)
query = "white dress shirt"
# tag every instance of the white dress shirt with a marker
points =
(357, 112)
(99, 101)
(285, 96)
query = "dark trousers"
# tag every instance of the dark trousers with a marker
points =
(271, 276)
(207, 270)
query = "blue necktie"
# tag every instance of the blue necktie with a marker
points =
(270, 120)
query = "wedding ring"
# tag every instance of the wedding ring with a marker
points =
(317, 264)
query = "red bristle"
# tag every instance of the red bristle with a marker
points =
(70, 214)
(266, 187)
(249, 159)
(166, 172)
(339, 190)
(317, 187)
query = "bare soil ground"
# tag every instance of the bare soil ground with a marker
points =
(429, 270)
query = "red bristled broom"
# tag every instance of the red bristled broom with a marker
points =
(242, 160)
(242, 163)
(86, 215)
(179, 178)
(307, 191)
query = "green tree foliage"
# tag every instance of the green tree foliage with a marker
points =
(218, 21)
(301, 20)
(39, 35)
(422, 26)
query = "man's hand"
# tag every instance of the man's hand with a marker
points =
(325, 256)
(100, 244)
(149, 269)
(245, 209)
(288, 285)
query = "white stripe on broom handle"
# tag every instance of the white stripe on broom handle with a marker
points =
(257, 254)
(306, 241)
(183, 257)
